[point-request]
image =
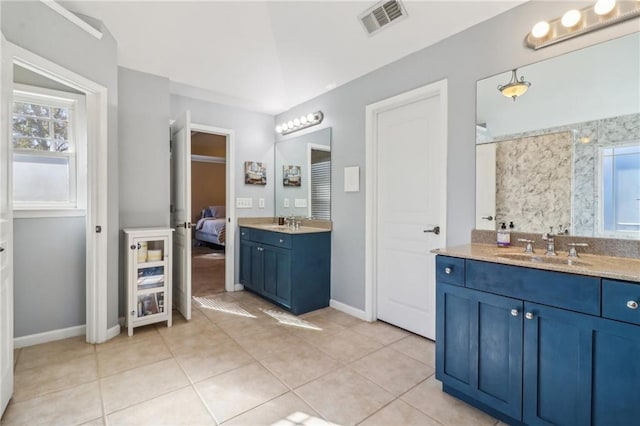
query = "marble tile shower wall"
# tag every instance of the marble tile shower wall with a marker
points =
(539, 166)
(586, 138)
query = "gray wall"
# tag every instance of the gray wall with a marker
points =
(486, 49)
(254, 140)
(143, 130)
(70, 47)
(49, 274)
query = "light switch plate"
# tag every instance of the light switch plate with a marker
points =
(244, 203)
(300, 202)
(261, 203)
(352, 179)
(286, 202)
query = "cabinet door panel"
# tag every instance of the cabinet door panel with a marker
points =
(270, 272)
(479, 346)
(257, 267)
(283, 290)
(616, 374)
(245, 264)
(557, 366)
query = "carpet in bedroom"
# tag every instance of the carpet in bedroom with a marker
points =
(207, 271)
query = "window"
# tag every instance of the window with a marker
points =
(321, 184)
(49, 155)
(620, 190)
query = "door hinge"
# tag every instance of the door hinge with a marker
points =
(98, 229)
(170, 208)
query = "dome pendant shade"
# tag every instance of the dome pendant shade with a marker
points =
(515, 87)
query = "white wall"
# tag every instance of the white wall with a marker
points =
(24, 24)
(486, 49)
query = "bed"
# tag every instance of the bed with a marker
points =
(210, 228)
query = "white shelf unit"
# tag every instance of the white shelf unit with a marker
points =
(148, 266)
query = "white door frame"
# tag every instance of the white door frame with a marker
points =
(371, 184)
(96, 243)
(229, 261)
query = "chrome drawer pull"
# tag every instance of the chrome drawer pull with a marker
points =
(528, 316)
(448, 271)
(515, 312)
(632, 304)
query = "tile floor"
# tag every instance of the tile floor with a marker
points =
(224, 368)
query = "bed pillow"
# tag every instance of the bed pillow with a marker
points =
(215, 211)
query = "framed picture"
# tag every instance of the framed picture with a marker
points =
(291, 175)
(255, 173)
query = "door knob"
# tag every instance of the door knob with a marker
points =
(182, 225)
(632, 304)
(435, 230)
(1, 249)
(489, 218)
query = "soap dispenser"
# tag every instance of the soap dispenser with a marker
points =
(503, 236)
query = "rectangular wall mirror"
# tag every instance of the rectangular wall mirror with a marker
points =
(303, 175)
(567, 152)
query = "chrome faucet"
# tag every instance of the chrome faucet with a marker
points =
(529, 246)
(551, 244)
(572, 248)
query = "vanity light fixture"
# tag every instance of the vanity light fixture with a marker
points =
(515, 87)
(581, 21)
(300, 123)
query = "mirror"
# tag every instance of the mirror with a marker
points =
(303, 175)
(567, 152)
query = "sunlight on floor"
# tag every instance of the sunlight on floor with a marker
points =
(226, 307)
(288, 319)
(302, 419)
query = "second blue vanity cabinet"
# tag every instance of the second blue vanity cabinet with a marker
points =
(523, 361)
(292, 270)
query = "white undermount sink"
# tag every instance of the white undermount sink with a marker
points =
(535, 258)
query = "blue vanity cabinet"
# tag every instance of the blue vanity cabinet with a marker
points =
(479, 346)
(291, 270)
(539, 347)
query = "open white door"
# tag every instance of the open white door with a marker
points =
(6, 233)
(181, 157)
(486, 186)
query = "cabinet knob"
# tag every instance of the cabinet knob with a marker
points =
(448, 270)
(632, 304)
(281, 241)
(528, 315)
(515, 312)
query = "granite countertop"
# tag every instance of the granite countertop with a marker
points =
(618, 268)
(284, 229)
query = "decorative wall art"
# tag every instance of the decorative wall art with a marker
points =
(291, 175)
(255, 173)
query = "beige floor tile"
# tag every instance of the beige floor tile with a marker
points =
(240, 327)
(72, 406)
(333, 315)
(394, 371)
(272, 342)
(119, 359)
(226, 310)
(380, 331)
(95, 422)
(181, 407)
(141, 384)
(146, 334)
(274, 410)
(58, 351)
(429, 398)
(16, 355)
(200, 365)
(239, 390)
(417, 347)
(344, 397)
(35, 382)
(399, 413)
(326, 327)
(188, 344)
(346, 346)
(299, 365)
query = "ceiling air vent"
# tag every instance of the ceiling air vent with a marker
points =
(381, 15)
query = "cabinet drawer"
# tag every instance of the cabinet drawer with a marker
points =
(272, 238)
(574, 292)
(450, 270)
(621, 300)
(245, 233)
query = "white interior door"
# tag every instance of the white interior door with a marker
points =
(6, 233)
(411, 199)
(486, 186)
(181, 157)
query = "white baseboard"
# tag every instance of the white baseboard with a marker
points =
(113, 331)
(347, 309)
(49, 336)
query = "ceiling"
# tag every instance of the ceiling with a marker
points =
(271, 55)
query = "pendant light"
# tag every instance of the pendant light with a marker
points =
(515, 87)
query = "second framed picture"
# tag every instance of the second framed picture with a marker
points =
(291, 175)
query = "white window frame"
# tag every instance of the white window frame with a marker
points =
(77, 152)
(601, 231)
